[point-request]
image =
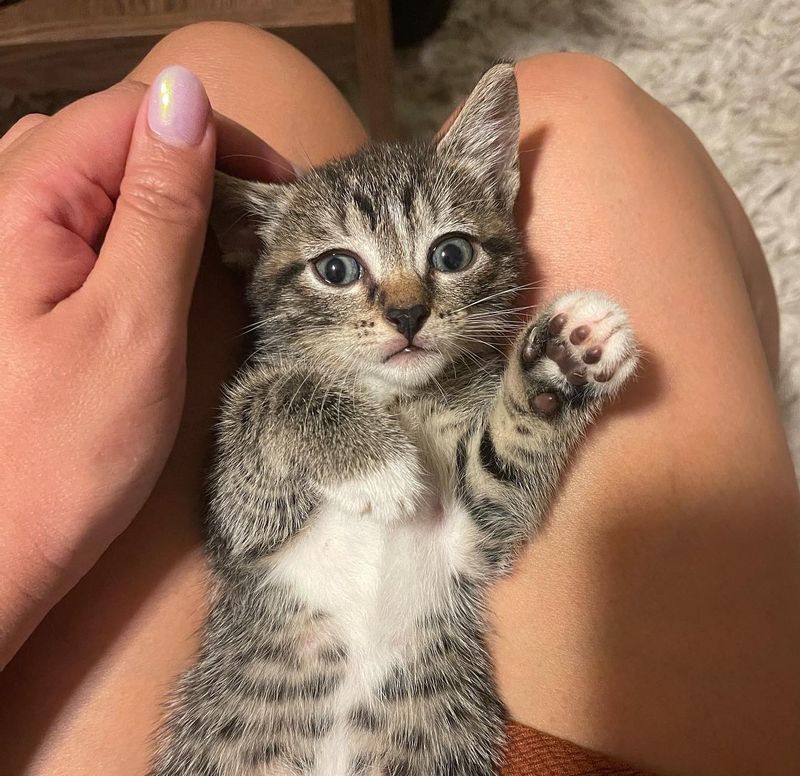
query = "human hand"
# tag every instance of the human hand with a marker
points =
(103, 212)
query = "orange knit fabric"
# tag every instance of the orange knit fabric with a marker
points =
(530, 752)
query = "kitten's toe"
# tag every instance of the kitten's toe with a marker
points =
(616, 361)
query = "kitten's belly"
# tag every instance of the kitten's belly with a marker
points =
(375, 580)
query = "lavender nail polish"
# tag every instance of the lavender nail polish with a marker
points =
(178, 107)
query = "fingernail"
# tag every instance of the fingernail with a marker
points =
(178, 110)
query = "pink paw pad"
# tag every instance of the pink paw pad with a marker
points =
(589, 342)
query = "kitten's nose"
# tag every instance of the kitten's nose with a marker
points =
(408, 320)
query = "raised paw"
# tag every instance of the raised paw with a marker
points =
(584, 339)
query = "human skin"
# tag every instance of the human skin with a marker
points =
(656, 617)
(104, 214)
(81, 449)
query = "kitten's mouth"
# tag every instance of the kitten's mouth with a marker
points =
(406, 354)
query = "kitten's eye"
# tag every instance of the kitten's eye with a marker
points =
(452, 254)
(338, 269)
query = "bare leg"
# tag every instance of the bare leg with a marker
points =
(658, 617)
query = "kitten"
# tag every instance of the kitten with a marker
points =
(380, 461)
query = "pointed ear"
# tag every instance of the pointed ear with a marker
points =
(485, 134)
(243, 216)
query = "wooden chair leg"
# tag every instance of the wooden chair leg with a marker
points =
(373, 43)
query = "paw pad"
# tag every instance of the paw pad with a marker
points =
(589, 342)
(579, 334)
(546, 403)
(557, 324)
(593, 354)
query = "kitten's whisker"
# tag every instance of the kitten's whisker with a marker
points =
(272, 162)
(232, 224)
(503, 311)
(523, 287)
(492, 336)
(437, 383)
(489, 326)
(531, 150)
(331, 384)
(299, 387)
(488, 320)
(472, 356)
(253, 326)
(355, 371)
(305, 152)
(480, 342)
(311, 400)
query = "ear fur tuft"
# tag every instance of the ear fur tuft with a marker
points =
(242, 214)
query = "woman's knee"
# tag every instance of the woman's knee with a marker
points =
(211, 45)
(592, 104)
(563, 75)
(265, 84)
(598, 125)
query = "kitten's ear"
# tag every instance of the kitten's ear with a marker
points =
(243, 215)
(485, 134)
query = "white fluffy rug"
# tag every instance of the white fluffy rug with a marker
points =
(729, 68)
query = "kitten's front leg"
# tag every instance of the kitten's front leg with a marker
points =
(572, 358)
(291, 439)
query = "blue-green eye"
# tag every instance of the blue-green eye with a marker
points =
(452, 254)
(338, 269)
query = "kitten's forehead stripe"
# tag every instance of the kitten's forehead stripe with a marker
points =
(407, 200)
(497, 246)
(364, 204)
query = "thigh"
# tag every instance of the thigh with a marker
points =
(86, 692)
(657, 618)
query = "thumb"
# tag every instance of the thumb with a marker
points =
(152, 249)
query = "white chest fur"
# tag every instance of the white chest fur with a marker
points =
(376, 556)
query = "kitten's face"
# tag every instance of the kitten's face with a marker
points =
(390, 264)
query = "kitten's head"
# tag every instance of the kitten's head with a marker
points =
(390, 263)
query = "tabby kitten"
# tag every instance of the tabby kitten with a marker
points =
(380, 461)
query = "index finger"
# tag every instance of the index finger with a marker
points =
(22, 127)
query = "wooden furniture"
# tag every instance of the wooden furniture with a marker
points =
(85, 45)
